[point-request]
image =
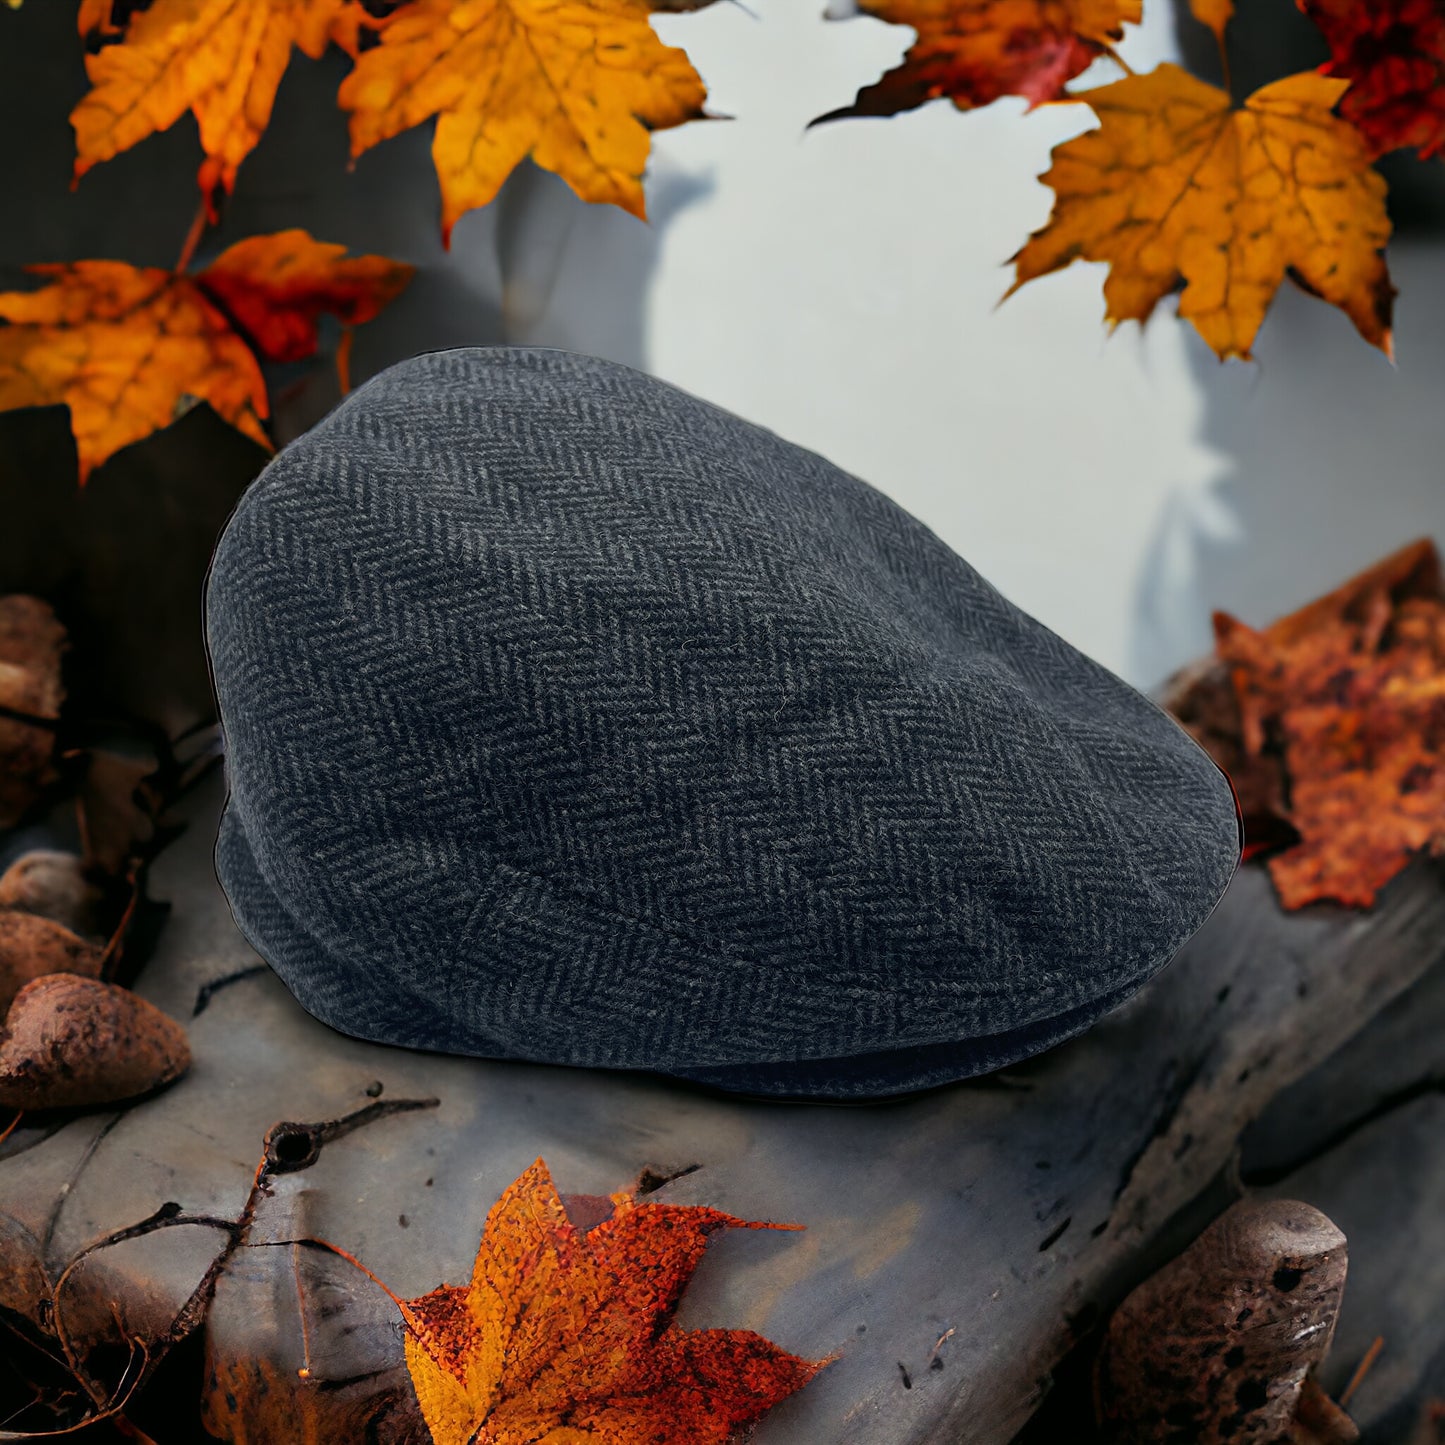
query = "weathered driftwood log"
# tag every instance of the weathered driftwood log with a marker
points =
(955, 1245)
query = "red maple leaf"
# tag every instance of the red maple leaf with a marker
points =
(1393, 54)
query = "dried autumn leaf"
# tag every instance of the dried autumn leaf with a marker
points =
(129, 349)
(276, 287)
(1350, 694)
(577, 85)
(220, 59)
(116, 808)
(1392, 53)
(1176, 186)
(565, 1334)
(95, 18)
(974, 51)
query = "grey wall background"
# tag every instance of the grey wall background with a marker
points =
(838, 285)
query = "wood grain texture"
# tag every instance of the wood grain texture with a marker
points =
(954, 1244)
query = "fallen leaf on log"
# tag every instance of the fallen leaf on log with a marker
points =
(117, 808)
(579, 88)
(1178, 185)
(71, 1042)
(1215, 1348)
(32, 642)
(974, 51)
(566, 1333)
(1202, 697)
(1349, 696)
(54, 885)
(32, 946)
(1392, 52)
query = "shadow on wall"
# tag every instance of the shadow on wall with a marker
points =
(1329, 457)
(124, 559)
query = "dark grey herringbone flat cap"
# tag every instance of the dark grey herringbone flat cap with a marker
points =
(570, 718)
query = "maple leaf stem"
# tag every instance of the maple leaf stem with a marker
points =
(193, 238)
(1224, 63)
(305, 1370)
(351, 1259)
(343, 359)
(110, 958)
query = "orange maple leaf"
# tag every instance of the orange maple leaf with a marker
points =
(576, 84)
(564, 1335)
(1392, 52)
(1349, 695)
(220, 59)
(129, 349)
(94, 18)
(1176, 185)
(974, 51)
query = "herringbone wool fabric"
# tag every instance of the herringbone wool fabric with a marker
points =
(570, 718)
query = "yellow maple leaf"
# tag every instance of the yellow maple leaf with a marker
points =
(1216, 14)
(975, 51)
(220, 59)
(563, 1335)
(576, 84)
(1176, 185)
(127, 349)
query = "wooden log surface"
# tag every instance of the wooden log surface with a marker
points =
(957, 1243)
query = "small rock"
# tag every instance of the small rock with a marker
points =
(53, 885)
(1215, 1348)
(31, 643)
(32, 946)
(70, 1042)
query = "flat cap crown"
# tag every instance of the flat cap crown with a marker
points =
(570, 718)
